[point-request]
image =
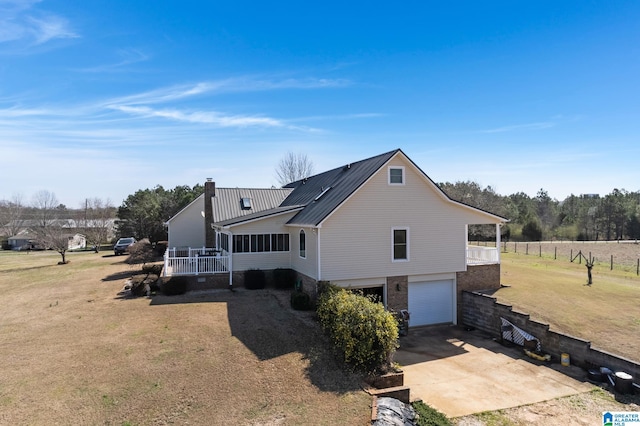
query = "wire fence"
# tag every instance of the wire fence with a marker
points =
(616, 255)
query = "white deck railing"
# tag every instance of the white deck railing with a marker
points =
(195, 261)
(482, 255)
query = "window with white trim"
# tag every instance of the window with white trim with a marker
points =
(259, 243)
(399, 244)
(303, 244)
(396, 175)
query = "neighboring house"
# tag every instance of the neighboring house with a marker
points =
(26, 240)
(380, 224)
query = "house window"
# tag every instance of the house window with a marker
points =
(396, 175)
(400, 244)
(303, 244)
(260, 243)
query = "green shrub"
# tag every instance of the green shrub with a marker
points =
(360, 329)
(254, 279)
(284, 278)
(175, 286)
(429, 416)
(300, 301)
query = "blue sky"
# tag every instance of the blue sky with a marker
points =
(102, 98)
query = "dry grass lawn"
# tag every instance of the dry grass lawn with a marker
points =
(73, 352)
(607, 313)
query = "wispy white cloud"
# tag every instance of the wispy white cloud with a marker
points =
(50, 27)
(516, 127)
(339, 117)
(238, 84)
(20, 21)
(127, 57)
(204, 117)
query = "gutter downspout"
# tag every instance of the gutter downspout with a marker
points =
(319, 273)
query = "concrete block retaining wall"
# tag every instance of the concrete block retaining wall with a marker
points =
(483, 312)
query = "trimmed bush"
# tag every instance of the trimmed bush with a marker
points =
(152, 269)
(254, 279)
(284, 278)
(360, 329)
(175, 286)
(429, 416)
(300, 301)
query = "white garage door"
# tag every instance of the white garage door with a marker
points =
(431, 302)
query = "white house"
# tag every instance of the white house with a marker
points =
(379, 224)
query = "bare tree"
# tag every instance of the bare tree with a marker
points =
(12, 215)
(293, 167)
(47, 208)
(54, 236)
(50, 230)
(96, 218)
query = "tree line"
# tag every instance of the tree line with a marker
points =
(144, 214)
(585, 217)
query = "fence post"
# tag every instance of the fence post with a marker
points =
(540, 250)
(555, 253)
(515, 247)
(571, 256)
(611, 263)
(527, 249)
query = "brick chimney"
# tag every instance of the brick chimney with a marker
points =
(209, 232)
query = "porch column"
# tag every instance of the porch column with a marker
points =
(498, 225)
(230, 259)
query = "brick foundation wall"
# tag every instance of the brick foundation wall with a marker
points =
(309, 285)
(476, 277)
(483, 312)
(398, 293)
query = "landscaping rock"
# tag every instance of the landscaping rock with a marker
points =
(392, 412)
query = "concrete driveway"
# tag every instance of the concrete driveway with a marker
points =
(463, 372)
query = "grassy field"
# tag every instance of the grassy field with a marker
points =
(74, 352)
(607, 313)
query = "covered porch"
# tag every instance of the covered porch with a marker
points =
(484, 255)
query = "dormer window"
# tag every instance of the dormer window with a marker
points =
(245, 203)
(396, 175)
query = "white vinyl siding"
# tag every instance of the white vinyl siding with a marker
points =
(306, 265)
(187, 228)
(355, 238)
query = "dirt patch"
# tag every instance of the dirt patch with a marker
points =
(582, 409)
(73, 353)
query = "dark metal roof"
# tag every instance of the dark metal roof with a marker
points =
(343, 182)
(258, 215)
(316, 196)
